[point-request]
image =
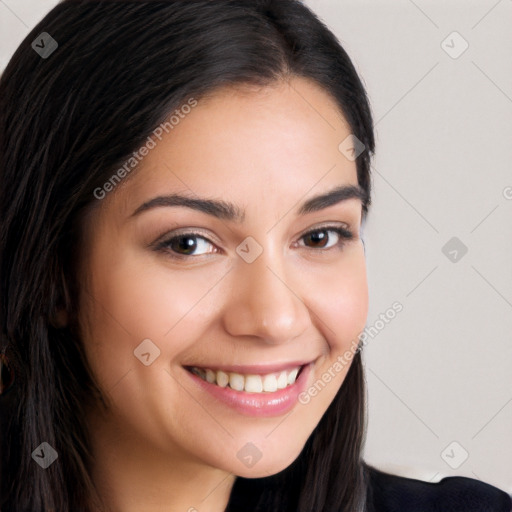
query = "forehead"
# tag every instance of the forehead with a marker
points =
(263, 146)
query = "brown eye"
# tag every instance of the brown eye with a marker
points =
(318, 238)
(186, 244)
(321, 239)
(183, 244)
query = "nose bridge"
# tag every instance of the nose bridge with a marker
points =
(264, 303)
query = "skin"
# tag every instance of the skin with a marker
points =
(163, 444)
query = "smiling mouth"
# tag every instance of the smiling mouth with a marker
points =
(250, 383)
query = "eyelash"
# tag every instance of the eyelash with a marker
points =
(164, 246)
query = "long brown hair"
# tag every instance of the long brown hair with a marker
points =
(66, 122)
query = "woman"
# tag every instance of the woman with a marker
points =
(183, 187)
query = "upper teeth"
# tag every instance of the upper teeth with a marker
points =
(250, 383)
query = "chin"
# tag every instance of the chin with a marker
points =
(267, 466)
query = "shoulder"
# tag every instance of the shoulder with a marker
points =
(392, 493)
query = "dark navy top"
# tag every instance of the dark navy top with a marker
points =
(391, 493)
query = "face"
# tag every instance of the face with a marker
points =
(246, 289)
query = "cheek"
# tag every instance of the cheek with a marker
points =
(339, 297)
(132, 300)
(341, 305)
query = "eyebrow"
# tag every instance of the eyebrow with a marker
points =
(228, 211)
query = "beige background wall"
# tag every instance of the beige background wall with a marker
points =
(439, 373)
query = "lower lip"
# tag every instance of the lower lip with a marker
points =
(258, 404)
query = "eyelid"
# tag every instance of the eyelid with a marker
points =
(342, 229)
(170, 235)
(327, 225)
(162, 241)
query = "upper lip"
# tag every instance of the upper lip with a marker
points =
(255, 369)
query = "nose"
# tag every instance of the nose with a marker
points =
(263, 304)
